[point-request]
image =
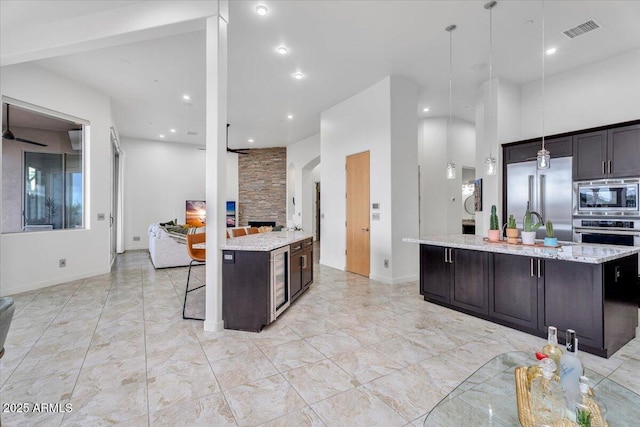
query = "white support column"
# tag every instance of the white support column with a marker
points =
(216, 169)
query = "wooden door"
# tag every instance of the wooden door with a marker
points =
(358, 242)
(469, 284)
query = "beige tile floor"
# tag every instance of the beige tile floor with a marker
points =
(349, 352)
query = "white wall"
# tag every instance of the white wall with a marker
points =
(30, 260)
(362, 123)
(302, 158)
(498, 118)
(160, 177)
(593, 95)
(440, 211)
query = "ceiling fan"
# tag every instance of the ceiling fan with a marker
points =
(233, 150)
(7, 134)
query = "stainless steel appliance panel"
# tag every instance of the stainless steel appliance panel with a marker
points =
(607, 197)
(548, 191)
(280, 282)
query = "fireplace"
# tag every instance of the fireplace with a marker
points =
(262, 223)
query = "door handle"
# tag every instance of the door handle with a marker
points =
(541, 191)
(446, 251)
(304, 262)
(450, 256)
(539, 270)
(603, 171)
(530, 200)
(531, 267)
(365, 229)
(609, 166)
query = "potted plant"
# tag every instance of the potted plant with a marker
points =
(494, 228)
(550, 240)
(529, 230)
(512, 230)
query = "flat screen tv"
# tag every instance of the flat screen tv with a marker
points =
(196, 213)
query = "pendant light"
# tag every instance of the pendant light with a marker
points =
(451, 167)
(543, 160)
(490, 165)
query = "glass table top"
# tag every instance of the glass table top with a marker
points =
(488, 397)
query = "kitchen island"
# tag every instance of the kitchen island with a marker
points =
(589, 288)
(262, 274)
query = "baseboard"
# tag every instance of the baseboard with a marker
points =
(28, 287)
(213, 325)
(391, 281)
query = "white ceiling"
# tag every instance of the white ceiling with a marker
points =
(342, 47)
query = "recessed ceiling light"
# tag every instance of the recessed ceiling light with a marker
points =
(282, 50)
(161, 135)
(172, 130)
(186, 97)
(289, 116)
(551, 50)
(250, 141)
(425, 110)
(298, 75)
(261, 9)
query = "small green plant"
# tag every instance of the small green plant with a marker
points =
(583, 418)
(493, 219)
(549, 226)
(528, 223)
(511, 223)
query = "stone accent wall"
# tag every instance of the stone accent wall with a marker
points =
(262, 186)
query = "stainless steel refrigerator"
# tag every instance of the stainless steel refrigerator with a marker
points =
(548, 191)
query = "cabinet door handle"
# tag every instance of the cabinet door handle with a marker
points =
(531, 267)
(603, 171)
(446, 260)
(539, 271)
(450, 257)
(609, 166)
(304, 261)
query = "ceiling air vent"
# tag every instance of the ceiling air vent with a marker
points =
(192, 132)
(581, 29)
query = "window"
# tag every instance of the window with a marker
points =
(43, 170)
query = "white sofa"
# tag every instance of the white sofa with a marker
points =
(165, 249)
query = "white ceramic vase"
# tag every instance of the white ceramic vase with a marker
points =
(528, 237)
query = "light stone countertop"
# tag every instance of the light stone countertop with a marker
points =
(568, 251)
(264, 241)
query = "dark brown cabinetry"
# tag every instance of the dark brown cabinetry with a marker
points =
(524, 152)
(301, 267)
(599, 301)
(612, 153)
(441, 281)
(513, 296)
(435, 273)
(469, 281)
(249, 285)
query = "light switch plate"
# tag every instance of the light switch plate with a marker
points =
(101, 217)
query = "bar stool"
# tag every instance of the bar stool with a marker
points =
(198, 256)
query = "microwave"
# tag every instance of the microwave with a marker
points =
(607, 197)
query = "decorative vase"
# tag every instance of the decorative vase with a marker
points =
(512, 235)
(528, 237)
(494, 235)
(551, 241)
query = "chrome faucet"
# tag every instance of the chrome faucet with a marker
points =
(540, 220)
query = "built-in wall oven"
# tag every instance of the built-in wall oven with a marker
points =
(608, 231)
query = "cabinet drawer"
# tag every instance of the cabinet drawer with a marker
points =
(296, 247)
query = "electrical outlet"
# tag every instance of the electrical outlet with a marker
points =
(62, 262)
(136, 238)
(386, 263)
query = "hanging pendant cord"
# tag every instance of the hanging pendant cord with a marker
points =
(543, 60)
(450, 29)
(491, 72)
